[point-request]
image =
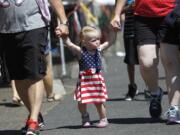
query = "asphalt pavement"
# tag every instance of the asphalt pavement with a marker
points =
(125, 117)
(63, 118)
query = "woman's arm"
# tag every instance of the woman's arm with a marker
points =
(116, 21)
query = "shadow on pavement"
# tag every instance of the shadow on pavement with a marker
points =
(8, 104)
(10, 132)
(113, 121)
(65, 127)
(123, 99)
(140, 94)
(135, 121)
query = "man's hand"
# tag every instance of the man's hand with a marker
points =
(62, 31)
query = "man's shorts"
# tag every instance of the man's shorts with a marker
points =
(170, 34)
(24, 55)
(130, 47)
(147, 30)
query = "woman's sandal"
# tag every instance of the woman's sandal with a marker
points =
(54, 97)
(17, 101)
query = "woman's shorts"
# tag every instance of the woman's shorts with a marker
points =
(24, 54)
(170, 34)
(147, 30)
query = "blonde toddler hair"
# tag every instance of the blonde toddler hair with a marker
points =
(89, 31)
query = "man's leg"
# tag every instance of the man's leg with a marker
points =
(31, 93)
(48, 79)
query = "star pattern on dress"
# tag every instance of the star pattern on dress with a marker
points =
(90, 61)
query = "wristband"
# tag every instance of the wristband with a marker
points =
(66, 23)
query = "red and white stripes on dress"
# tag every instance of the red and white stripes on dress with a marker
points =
(91, 88)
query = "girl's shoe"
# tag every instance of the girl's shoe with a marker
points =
(102, 123)
(86, 120)
(86, 124)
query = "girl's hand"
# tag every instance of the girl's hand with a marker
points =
(62, 31)
(116, 23)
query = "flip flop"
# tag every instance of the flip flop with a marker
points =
(54, 97)
(17, 101)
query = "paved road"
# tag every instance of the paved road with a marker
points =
(126, 118)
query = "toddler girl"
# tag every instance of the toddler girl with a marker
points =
(91, 86)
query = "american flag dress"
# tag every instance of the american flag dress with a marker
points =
(91, 86)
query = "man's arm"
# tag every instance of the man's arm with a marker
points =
(62, 29)
(58, 7)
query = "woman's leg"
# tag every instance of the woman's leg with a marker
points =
(171, 63)
(148, 61)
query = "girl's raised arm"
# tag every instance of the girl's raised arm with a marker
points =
(74, 48)
(104, 46)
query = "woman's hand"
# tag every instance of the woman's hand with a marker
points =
(116, 23)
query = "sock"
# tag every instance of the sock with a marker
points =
(157, 92)
(176, 107)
